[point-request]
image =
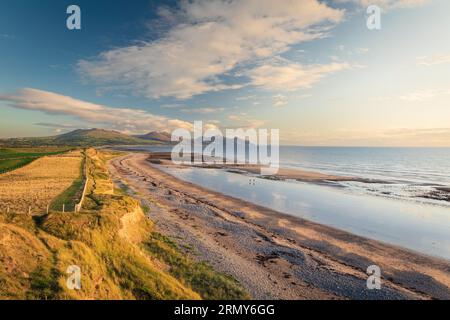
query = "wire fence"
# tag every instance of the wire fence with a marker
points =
(79, 205)
(28, 207)
(32, 211)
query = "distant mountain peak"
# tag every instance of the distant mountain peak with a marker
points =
(161, 136)
(86, 137)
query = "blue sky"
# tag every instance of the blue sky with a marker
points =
(310, 68)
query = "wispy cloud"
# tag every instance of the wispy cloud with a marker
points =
(414, 137)
(211, 40)
(172, 106)
(244, 98)
(6, 36)
(423, 95)
(58, 125)
(203, 110)
(123, 119)
(362, 50)
(434, 60)
(279, 100)
(244, 121)
(292, 76)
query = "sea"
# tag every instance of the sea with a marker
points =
(394, 210)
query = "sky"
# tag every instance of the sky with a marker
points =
(310, 68)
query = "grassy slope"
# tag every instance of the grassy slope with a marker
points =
(72, 195)
(114, 244)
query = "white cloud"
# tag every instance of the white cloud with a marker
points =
(122, 119)
(211, 40)
(433, 60)
(292, 76)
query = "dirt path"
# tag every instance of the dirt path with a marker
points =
(276, 256)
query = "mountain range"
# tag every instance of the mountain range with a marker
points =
(90, 137)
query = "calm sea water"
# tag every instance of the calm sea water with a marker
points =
(409, 172)
(418, 165)
(391, 212)
(418, 226)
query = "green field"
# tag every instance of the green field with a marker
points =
(12, 164)
(14, 158)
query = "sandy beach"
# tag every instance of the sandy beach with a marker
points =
(274, 255)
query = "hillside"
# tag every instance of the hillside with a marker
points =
(116, 247)
(156, 136)
(96, 137)
(80, 137)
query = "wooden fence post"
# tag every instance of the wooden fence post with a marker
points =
(79, 205)
(29, 210)
(48, 208)
(64, 207)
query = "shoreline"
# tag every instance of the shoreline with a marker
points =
(164, 158)
(289, 257)
(438, 192)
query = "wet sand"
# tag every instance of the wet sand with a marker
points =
(164, 158)
(274, 255)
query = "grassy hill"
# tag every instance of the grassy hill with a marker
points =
(97, 137)
(115, 245)
(80, 137)
(156, 136)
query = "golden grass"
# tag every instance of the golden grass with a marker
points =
(113, 243)
(21, 253)
(36, 184)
